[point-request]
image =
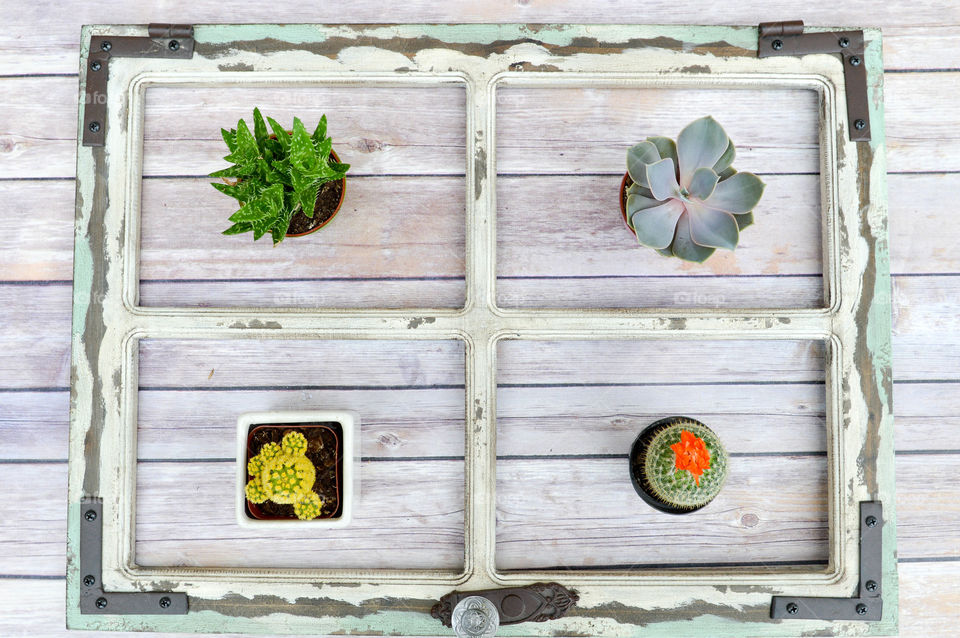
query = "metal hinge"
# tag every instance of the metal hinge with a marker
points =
(868, 604)
(788, 38)
(93, 599)
(163, 41)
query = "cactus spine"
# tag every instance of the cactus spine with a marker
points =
(684, 464)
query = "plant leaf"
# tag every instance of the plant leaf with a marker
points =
(744, 220)
(738, 194)
(701, 143)
(247, 151)
(308, 198)
(279, 229)
(229, 138)
(663, 179)
(726, 160)
(711, 227)
(656, 226)
(238, 228)
(666, 147)
(320, 133)
(259, 128)
(636, 203)
(282, 136)
(639, 157)
(683, 245)
(302, 152)
(703, 182)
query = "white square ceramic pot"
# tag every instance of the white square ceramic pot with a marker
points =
(350, 487)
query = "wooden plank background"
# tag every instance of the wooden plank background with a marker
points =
(38, 89)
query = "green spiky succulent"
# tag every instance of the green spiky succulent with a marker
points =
(283, 474)
(276, 175)
(686, 199)
(684, 465)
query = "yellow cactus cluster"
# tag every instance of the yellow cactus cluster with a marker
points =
(283, 474)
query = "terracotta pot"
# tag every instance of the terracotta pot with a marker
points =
(255, 510)
(343, 191)
(625, 183)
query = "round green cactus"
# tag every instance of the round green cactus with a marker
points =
(308, 506)
(684, 465)
(255, 492)
(294, 443)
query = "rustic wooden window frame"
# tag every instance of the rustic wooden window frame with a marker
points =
(108, 325)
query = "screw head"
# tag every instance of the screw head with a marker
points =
(777, 45)
(855, 60)
(94, 126)
(91, 515)
(793, 608)
(871, 585)
(844, 43)
(871, 521)
(859, 125)
(105, 45)
(89, 580)
(101, 603)
(96, 66)
(165, 602)
(173, 45)
(861, 609)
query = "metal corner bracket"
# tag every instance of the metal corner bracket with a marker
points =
(93, 599)
(162, 41)
(788, 38)
(868, 604)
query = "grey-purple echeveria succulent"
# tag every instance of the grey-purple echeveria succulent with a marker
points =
(686, 199)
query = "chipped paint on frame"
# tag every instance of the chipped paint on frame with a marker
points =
(108, 323)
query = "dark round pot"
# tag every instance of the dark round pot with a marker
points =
(637, 475)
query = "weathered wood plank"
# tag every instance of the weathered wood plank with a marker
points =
(655, 362)
(36, 327)
(409, 515)
(606, 420)
(378, 131)
(36, 242)
(348, 293)
(31, 540)
(417, 234)
(35, 324)
(584, 236)
(585, 513)
(587, 130)
(33, 425)
(40, 142)
(300, 364)
(34, 531)
(202, 424)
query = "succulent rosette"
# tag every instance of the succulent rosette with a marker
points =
(686, 199)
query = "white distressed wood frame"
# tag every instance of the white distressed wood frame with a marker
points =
(108, 324)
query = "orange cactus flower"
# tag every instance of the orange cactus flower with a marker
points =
(691, 454)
